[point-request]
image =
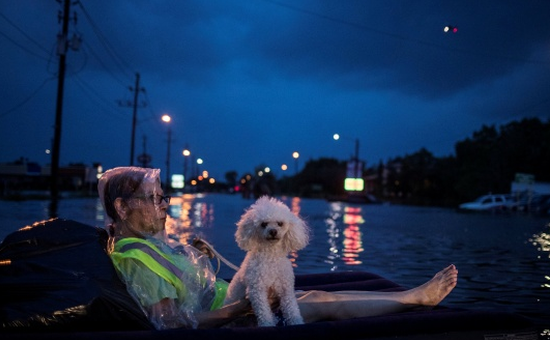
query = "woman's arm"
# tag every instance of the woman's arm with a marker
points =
(165, 315)
(221, 316)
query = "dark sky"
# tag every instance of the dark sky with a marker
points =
(250, 82)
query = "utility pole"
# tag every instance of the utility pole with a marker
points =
(167, 183)
(135, 105)
(62, 44)
(134, 119)
(62, 40)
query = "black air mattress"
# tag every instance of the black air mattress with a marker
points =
(57, 282)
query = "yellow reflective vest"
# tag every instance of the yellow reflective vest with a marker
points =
(164, 266)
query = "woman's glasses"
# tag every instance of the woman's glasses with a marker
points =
(157, 199)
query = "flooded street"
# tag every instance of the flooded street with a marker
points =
(503, 259)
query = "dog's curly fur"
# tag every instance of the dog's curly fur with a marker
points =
(268, 231)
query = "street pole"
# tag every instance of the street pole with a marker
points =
(54, 190)
(134, 119)
(168, 186)
(356, 157)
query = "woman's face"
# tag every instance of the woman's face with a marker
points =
(148, 210)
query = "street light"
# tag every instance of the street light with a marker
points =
(186, 153)
(167, 119)
(198, 162)
(296, 155)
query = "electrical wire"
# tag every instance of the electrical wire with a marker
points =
(23, 47)
(98, 98)
(121, 64)
(31, 96)
(91, 50)
(26, 36)
(401, 37)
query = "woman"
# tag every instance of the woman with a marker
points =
(176, 286)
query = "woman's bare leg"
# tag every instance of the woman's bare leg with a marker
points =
(320, 305)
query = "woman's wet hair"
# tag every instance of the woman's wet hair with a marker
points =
(123, 184)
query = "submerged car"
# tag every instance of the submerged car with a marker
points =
(489, 202)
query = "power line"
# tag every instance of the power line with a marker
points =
(91, 50)
(401, 37)
(98, 98)
(23, 47)
(121, 64)
(5, 113)
(24, 34)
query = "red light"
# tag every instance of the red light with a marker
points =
(450, 29)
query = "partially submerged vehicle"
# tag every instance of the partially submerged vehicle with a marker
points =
(57, 282)
(490, 203)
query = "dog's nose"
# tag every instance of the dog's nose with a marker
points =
(273, 232)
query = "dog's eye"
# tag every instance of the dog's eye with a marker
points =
(280, 224)
(264, 224)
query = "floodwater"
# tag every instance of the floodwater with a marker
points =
(503, 259)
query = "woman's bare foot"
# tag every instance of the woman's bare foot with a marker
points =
(434, 291)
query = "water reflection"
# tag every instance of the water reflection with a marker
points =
(99, 212)
(348, 249)
(353, 243)
(185, 215)
(295, 208)
(295, 205)
(542, 242)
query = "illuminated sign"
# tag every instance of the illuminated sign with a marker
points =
(354, 184)
(177, 182)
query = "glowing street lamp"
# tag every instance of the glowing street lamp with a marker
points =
(186, 153)
(296, 155)
(167, 119)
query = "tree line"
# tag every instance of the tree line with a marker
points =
(484, 163)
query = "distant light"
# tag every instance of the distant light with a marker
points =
(199, 160)
(47, 151)
(166, 118)
(336, 136)
(450, 29)
(267, 169)
(295, 154)
(186, 152)
(211, 181)
(284, 167)
(177, 181)
(354, 184)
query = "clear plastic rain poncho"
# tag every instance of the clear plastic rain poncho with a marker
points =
(181, 277)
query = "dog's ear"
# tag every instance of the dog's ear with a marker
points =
(297, 236)
(245, 231)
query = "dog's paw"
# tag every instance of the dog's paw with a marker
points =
(267, 321)
(295, 320)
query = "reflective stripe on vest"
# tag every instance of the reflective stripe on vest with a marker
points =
(157, 261)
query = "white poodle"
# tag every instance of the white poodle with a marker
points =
(268, 231)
